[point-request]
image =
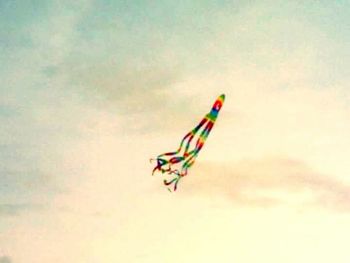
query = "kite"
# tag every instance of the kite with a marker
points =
(188, 157)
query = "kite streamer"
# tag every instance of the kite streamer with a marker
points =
(188, 157)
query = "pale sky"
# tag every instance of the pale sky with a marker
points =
(91, 90)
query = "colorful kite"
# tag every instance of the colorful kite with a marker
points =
(188, 157)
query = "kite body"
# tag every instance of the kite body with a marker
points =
(188, 157)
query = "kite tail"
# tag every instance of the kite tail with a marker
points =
(175, 181)
(161, 162)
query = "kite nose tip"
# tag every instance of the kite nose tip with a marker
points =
(222, 97)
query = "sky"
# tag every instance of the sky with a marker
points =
(90, 90)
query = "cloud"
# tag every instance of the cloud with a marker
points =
(5, 259)
(38, 118)
(269, 181)
(144, 98)
(15, 209)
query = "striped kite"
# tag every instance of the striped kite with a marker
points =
(188, 157)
